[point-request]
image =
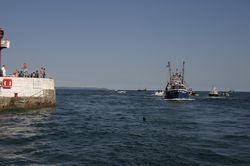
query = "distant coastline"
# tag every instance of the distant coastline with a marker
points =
(83, 88)
(96, 88)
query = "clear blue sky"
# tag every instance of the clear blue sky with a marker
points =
(126, 44)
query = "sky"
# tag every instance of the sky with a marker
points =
(126, 44)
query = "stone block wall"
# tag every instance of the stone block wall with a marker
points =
(24, 93)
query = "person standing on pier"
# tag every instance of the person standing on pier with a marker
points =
(25, 70)
(3, 71)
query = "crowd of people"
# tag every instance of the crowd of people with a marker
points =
(25, 73)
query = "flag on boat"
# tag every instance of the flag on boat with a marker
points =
(168, 65)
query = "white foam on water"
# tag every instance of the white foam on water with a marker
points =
(180, 99)
(215, 97)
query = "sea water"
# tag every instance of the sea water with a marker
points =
(103, 127)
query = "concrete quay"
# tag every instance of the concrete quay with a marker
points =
(26, 93)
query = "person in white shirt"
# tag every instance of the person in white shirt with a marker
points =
(3, 71)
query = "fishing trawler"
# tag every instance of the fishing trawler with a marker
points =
(176, 87)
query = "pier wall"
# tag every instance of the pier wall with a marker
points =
(24, 93)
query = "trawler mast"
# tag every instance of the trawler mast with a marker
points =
(169, 68)
(183, 71)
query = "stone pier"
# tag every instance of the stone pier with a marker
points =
(26, 93)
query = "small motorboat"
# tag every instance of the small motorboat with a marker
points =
(213, 92)
(192, 92)
(159, 93)
(121, 91)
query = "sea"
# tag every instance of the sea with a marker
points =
(108, 127)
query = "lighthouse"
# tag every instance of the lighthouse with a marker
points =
(3, 44)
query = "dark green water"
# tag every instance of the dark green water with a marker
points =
(107, 128)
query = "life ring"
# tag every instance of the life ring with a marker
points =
(7, 83)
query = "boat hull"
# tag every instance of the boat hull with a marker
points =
(176, 94)
(213, 95)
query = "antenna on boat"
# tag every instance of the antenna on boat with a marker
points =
(183, 65)
(3, 44)
(169, 69)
